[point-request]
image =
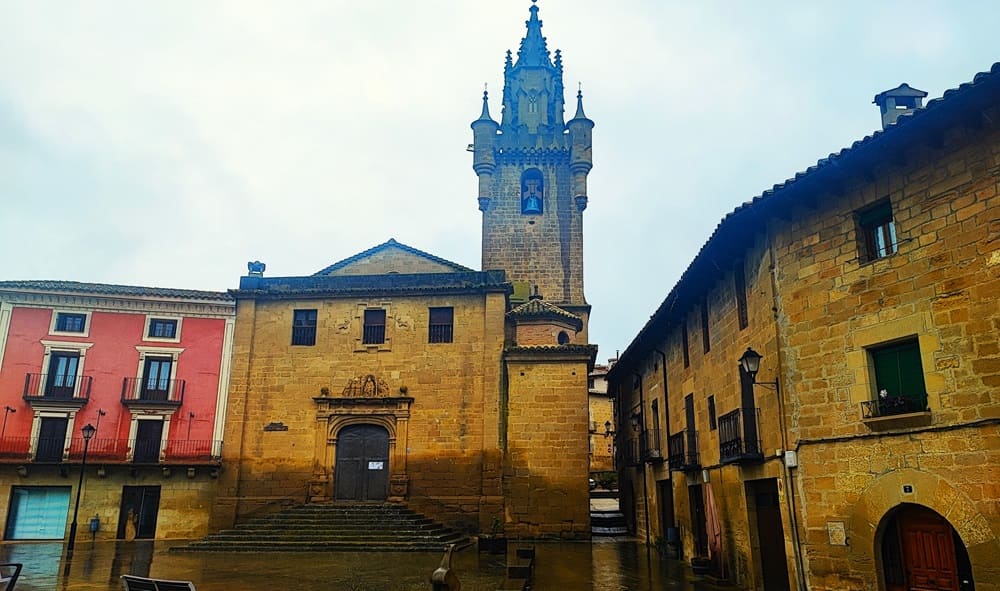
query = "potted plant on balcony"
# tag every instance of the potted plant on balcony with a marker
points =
(494, 542)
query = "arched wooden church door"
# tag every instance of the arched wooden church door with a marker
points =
(362, 468)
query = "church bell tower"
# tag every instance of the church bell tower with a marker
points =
(532, 169)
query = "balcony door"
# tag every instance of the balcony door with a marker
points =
(156, 378)
(148, 436)
(51, 439)
(61, 379)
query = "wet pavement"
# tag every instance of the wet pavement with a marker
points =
(604, 565)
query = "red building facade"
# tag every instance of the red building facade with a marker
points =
(148, 369)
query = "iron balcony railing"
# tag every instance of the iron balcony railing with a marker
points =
(631, 452)
(152, 390)
(110, 450)
(683, 451)
(738, 440)
(649, 446)
(893, 405)
(63, 387)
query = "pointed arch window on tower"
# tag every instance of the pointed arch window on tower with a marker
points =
(532, 104)
(532, 191)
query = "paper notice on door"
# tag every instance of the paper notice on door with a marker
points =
(375, 465)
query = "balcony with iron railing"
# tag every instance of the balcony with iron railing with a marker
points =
(152, 392)
(889, 406)
(738, 439)
(649, 447)
(110, 451)
(631, 453)
(683, 451)
(43, 388)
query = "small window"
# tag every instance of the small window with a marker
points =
(304, 328)
(374, 329)
(162, 328)
(706, 341)
(711, 413)
(563, 337)
(877, 231)
(66, 322)
(899, 375)
(442, 324)
(684, 343)
(740, 285)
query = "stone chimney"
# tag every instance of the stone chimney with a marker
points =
(898, 101)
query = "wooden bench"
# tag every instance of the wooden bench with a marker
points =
(130, 583)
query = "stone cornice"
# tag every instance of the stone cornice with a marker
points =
(137, 305)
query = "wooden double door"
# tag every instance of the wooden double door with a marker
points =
(362, 469)
(922, 552)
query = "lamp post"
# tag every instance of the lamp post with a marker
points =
(87, 432)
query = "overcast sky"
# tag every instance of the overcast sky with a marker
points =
(167, 143)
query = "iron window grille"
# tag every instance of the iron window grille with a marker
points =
(304, 328)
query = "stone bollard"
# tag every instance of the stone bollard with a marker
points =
(443, 578)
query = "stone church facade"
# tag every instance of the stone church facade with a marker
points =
(395, 375)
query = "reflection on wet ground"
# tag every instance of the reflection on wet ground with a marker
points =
(605, 565)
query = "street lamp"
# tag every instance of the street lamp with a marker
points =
(88, 432)
(750, 362)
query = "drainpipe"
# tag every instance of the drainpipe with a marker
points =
(666, 421)
(645, 491)
(789, 488)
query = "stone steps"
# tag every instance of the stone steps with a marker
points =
(334, 527)
(607, 523)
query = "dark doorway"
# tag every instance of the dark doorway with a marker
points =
(763, 494)
(362, 470)
(51, 439)
(921, 550)
(699, 528)
(148, 436)
(137, 518)
(665, 498)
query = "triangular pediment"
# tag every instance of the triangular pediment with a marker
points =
(392, 257)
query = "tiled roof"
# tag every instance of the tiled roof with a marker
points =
(538, 308)
(938, 114)
(372, 285)
(107, 289)
(554, 350)
(391, 243)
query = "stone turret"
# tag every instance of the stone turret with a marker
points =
(484, 133)
(581, 156)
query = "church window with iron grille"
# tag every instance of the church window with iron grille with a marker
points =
(304, 327)
(442, 325)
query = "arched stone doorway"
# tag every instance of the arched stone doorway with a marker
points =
(920, 550)
(362, 463)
